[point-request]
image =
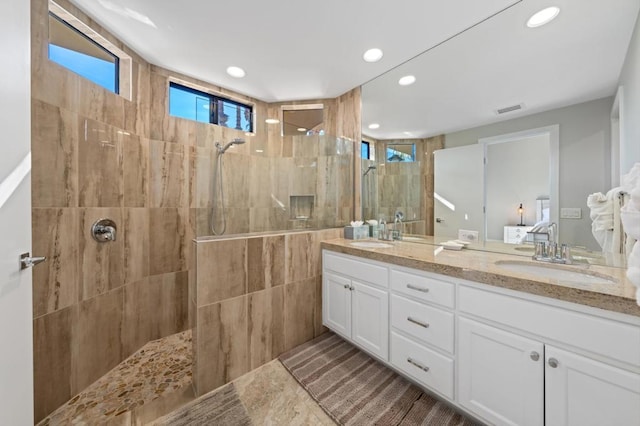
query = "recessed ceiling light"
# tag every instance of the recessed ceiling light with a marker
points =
(372, 55)
(259, 150)
(236, 72)
(272, 121)
(302, 129)
(543, 17)
(374, 126)
(407, 80)
(407, 133)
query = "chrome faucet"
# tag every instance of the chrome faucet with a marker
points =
(397, 226)
(547, 251)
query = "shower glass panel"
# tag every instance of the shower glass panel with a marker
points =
(273, 183)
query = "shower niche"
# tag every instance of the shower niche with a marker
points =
(301, 211)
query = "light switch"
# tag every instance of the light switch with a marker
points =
(571, 213)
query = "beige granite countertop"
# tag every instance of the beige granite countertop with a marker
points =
(479, 266)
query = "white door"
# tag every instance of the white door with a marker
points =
(16, 358)
(458, 191)
(582, 392)
(336, 304)
(370, 319)
(500, 375)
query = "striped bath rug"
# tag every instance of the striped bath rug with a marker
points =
(355, 389)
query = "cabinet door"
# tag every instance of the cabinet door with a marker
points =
(581, 392)
(371, 319)
(500, 374)
(336, 304)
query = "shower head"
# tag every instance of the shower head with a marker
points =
(236, 141)
(371, 167)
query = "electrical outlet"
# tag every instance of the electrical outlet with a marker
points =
(571, 213)
(466, 235)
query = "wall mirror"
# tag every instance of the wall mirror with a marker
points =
(499, 78)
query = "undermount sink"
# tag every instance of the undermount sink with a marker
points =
(562, 273)
(369, 244)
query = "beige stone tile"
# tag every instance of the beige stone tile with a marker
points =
(273, 260)
(99, 165)
(299, 306)
(137, 112)
(96, 346)
(52, 361)
(221, 270)
(54, 161)
(168, 174)
(101, 263)
(266, 325)
(135, 164)
(237, 221)
(98, 103)
(222, 348)
(135, 232)
(260, 185)
(202, 166)
(154, 307)
(167, 240)
(300, 257)
(305, 146)
(255, 265)
(303, 177)
(55, 283)
(236, 173)
(64, 92)
(273, 397)
(318, 328)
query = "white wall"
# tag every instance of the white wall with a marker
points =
(630, 106)
(585, 156)
(517, 172)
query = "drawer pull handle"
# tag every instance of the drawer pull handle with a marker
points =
(417, 364)
(415, 287)
(418, 322)
(347, 286)
(553, 363)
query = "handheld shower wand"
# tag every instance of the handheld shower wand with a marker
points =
(371, 167)
(236, 141)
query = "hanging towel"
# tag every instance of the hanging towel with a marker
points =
(606, 219)
(630, 217)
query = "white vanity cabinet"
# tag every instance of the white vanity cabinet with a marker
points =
(422, 328)
(355, 302)
(504, 356)
(512, 372)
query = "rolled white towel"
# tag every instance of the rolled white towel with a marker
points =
(631, 222)
(634, 199)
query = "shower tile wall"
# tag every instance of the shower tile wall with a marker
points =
(96, 154)
(255, 298)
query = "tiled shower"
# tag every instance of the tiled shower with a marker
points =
(98, 155)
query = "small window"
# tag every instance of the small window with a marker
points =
(401, 152)
(365, 150)
(74, 50)
(192, 104)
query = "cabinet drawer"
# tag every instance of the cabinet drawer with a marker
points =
(413, 359)
(613, 339)
(363, 271)
(423, 287)
(426, 323)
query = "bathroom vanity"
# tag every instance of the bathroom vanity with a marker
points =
(504, 346)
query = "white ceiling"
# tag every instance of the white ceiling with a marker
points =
(294, 50)
(499, 63)
(290, 49)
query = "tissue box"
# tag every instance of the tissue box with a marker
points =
(356, 232)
